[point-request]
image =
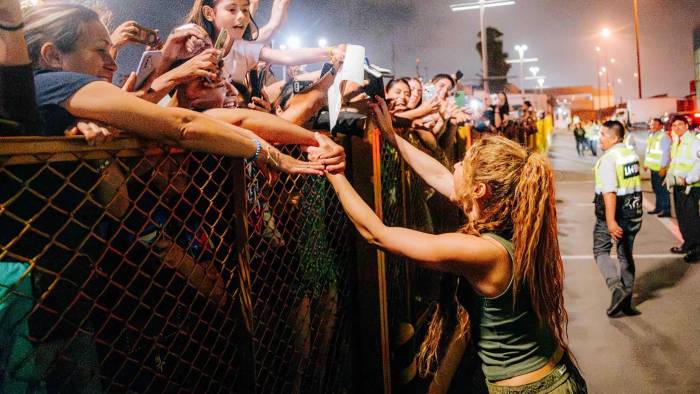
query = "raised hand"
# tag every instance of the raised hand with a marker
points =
(125, 33)
(203, 65)
(184, 42)
(384, 119)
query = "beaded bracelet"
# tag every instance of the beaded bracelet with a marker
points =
(258, 148)
(16, 27)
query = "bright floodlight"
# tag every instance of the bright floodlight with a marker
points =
(294, 42)
(636, 75)
(619, 80)
(521, 48)
(322, 42)
(283, 47)
(597, 49)
(477, 5)
(525, 60)
(605, 32)
(603, 69)
(612, 60)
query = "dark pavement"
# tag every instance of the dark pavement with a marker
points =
(655, 352)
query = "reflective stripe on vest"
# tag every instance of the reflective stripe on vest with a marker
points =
(654, 154)
(682, 158)
(627, 171)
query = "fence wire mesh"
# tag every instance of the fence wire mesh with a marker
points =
(118, 272)
(138, 268)
(301, 248)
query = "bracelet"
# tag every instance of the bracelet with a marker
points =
(258, 147)
(16, 27)
(270, 158)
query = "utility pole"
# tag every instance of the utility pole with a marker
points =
(639, 62)
(484, 50)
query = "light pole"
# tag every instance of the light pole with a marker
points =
(639, 64)
(521, 55)
(540, 81)
(481, 5)
(598, 74)
(605, 33)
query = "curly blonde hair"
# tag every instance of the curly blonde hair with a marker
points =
(521, 203)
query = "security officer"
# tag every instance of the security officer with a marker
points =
(618, 209)
(684, 176)
(657, 159)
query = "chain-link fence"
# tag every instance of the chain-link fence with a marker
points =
(137, 268)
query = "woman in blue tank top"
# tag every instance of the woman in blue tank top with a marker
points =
(507, 253)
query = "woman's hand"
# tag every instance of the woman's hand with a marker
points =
(260, 104)
(330, 154)
(184, 42)
(278, 161)
(94, 134)
(338, 55)
(125, 33)
(385, 122)
(203, 65)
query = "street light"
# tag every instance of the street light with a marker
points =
(521, 55)
(540, 81)
(534, 70)
(605, 32)
(481, 5)
(619, 80)
(293, 42)
(322, 43)
(612, 60)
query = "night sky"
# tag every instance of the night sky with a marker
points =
(561, 33)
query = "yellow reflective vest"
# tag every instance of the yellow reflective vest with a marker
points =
(654, 154)
(682, 158)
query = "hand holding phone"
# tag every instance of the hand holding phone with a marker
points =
(146, 36)
(429, 91)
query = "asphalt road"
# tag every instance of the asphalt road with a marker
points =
(655, 352)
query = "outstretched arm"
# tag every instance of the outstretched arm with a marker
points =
(459, 254)
(277, 19)
(432, 172)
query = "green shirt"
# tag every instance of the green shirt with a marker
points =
(512, 342)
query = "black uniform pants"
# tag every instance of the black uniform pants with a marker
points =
(688, 214)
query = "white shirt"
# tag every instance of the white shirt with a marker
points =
(243, 56)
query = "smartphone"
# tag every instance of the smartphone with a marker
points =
(327, 67)
(150, 60)
(460, 99)
(147, 36)
(300, 86)
(429, 92)
(219, 44)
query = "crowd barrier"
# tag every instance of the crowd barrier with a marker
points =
(133, 267)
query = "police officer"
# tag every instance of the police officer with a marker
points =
(618, 209)
(657, 159)
(684, 176)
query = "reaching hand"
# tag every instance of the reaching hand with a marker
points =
(278, 161)
(338, 55)
(94, 134)
(384, 119)
(125, 33)
(203, 65)
(328, 153)
(260, 104)
(184, 42)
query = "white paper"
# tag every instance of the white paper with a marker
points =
(352, 70)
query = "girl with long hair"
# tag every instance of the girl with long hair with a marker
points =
(241, 52)
(507, 256)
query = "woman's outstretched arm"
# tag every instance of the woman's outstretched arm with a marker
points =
(432, 172)
(460, 254)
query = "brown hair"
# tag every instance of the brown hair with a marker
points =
(196, 16)
(522, 203)
(59, 23)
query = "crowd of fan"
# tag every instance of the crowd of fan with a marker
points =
(206, 92)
